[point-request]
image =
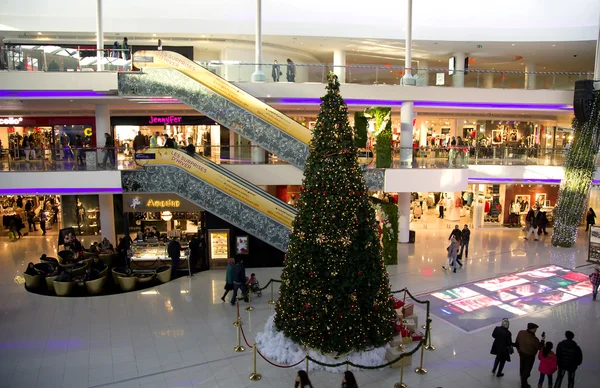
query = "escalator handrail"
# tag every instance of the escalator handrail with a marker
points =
(241, 181)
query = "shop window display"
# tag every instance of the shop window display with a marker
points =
(81, 212)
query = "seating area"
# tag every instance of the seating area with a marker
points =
(89, 274)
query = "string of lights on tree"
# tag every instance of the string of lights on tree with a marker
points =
(579, 171)
(335, 288)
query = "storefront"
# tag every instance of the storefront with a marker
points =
(44, 133)
(200, 131)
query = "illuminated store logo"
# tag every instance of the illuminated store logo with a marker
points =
(11, 120)
(163, 204)
(165, 120)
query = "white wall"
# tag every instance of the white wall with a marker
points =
(459, 20)
(423, 180)
(39, 80)
(59, 182)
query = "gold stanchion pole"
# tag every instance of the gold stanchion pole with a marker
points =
(254, 376)
(306, 363)
(239, 348)
(401, 383)
(429, 346)
(420, 370)
(347, 366)
(237, 307)
(249, 307)
(272, 301)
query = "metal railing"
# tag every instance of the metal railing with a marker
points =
(59, 59)
(69, 158)
(392, 75)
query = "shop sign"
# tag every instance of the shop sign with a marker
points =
(165, 120)
(169, 203)
(11, 120)
(157, 202)
(11, 130)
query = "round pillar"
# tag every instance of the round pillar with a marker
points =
(458, 78)
(339, 63)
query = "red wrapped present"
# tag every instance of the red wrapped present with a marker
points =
(397, 303)
(417, 336)
(408, 309)
(398, 326)
(405, 332)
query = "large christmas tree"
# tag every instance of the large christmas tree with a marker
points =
(335, 292)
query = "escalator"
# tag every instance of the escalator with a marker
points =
(215, 189)
(166, 73)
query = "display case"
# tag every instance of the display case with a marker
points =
(154, 255)
(219, 243)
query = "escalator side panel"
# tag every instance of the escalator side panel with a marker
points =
(169, 179)
(169, 82)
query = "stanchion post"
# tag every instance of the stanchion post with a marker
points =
(429, 346)
(238, 319)
(239, 348)
(306, 363)
(254, 376)
(420, 370)
(272, 301)
(249, 307)
(401, 383)
(347, 365)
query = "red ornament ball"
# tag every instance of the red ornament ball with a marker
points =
(307, 305)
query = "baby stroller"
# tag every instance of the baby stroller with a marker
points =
(254, 285)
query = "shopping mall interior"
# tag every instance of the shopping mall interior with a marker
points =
(145, 158)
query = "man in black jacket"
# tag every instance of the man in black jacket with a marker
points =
(239, 281)
(569, 357)
(174, 251)
(196, 253)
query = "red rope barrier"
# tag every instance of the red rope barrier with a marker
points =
(244, 335)
(279, 366)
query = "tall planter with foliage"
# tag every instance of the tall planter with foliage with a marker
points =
(389, 238)
(383, 135)
(360, 129)
(579, 171)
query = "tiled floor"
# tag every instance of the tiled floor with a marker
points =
(180, 334)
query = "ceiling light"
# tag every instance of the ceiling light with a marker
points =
(553, 45)
(513, 44)
(153, 34)
(39, 33)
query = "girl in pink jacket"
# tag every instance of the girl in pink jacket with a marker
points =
(547, 364)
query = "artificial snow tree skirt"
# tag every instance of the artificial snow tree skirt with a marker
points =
(281, 350)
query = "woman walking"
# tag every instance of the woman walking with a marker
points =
(452, 253)
(228, 278)
(502, 347)
(590, 219)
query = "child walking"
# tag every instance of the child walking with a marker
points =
(547, 364)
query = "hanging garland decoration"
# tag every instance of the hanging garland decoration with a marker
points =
(579, 171)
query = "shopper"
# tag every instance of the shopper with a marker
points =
(195, 253)
(275, 71)
(125, 49)
(348, 380)
(595, 280)
(302, 380)
(590, 219)
(154, 140)
(464, 242)
(139, 141)
(169, 142)
(25, 147)
(441, 207)
(109, 150)
(31, 220)
(291, 71)
(31, 271)
(79, 150)
(569, 357)
(542, 224)
(528, 346)
(190, 148)
(228, 278)
(239, 281)
(456, 233)
(174, 251)
(532, 223)
(452, 254)
(502, 347)
(547, 364)
(115, 49)
(43, 220)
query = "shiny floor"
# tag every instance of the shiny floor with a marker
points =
(180, 334)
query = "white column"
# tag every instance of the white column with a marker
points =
(107, 217)
(233, 149)
(408, 79)
(406, 133)
(458, 79)
(423, 134)
(102, 124)
(339, 60)
(403, 217)
(529, 78)
(597, 63)
(258, 75)
(488, 80)
(258, 154)
(423, 72)
(99, 36)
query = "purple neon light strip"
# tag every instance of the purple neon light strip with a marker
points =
(49, 93)
(51, 191)
(514, 180)
(430, 104)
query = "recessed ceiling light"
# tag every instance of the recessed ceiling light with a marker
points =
(553, 45)
(39, 33)
(153, 34)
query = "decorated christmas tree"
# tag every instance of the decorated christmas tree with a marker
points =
(335, 292)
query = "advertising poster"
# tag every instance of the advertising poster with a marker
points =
(594, 251)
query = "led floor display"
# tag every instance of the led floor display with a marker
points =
(476, 305)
